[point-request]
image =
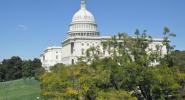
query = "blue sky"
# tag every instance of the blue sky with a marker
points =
(27, 27)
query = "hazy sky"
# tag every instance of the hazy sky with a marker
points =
(27, 27)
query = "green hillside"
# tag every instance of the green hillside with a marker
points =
(19, 90)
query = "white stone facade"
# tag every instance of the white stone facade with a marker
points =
(51, 56)
(82, 35)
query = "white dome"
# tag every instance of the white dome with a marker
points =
(83, 15)
(83, 23)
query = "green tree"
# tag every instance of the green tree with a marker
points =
(77, 82)
(114, 95)
(16, 68)
(12, 68)
(2, 73)
(168, 59)
(179, 60)
(133, 59)
(126, 74)
(27, 69)
(37, 68)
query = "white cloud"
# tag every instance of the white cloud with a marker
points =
(21, 27)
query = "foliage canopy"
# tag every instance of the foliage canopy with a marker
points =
(128, 74)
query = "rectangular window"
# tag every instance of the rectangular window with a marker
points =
(104, 52)
(82, 51)
(98, 52)
(72, 62)
(72, 47)
(43, 58)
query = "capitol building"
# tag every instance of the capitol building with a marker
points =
(81, 36)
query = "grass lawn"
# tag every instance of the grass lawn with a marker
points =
(27, 89)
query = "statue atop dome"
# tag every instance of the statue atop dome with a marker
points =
(83, 4)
